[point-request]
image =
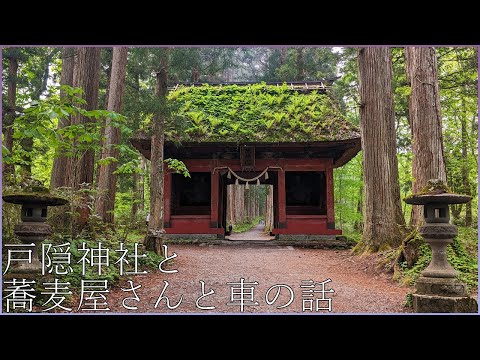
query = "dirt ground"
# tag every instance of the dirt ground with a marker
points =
(358, 287)
(256, 233)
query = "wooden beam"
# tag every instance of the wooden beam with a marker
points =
(204, 165)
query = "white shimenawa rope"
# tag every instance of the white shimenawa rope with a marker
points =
(257, 178)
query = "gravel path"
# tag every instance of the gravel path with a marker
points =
(255, 233)
(358, 287)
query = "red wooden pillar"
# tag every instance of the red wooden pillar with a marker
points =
(167, 197)
(221, 201)
(330, 200)
(214, 200)
(282, 205)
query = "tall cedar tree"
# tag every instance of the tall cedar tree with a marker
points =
(425, 121)
(10, 111)
(107, 180)
(154, 239)
(86, 76)
(60, 169)
(382, 212)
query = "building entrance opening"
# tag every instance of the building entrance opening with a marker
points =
(249, 212)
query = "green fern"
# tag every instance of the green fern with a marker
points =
(196, 117)
(259, 108)
(292, 109)
(269, 123)
(297, 101)
(270, 99)
(278, 117)
(293, 124)
(214, 122)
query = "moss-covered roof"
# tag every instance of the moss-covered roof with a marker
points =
(254, 113)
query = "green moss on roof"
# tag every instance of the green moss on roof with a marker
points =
(254, 113)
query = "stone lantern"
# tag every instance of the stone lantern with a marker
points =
(33, 229)
(437, 289)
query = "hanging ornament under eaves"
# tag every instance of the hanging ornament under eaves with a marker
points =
(246, 185)
(236, 181)
(258, 181)
(229, 175)
(266, 175)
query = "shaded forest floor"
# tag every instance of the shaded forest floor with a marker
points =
(358, 286)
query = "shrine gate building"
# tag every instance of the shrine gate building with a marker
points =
(227, 134)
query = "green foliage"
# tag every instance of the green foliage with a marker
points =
(462, 255)
(210, 63)
(127, 224)
(39, 122)
(254, 113)
(401, 92)
(405, 181)
(297, 64)
(348, 188)
(110, 273)
(10, 218)
(410, 275)
(177, 166)
(246, 226)
(458, 79)
(409, 300)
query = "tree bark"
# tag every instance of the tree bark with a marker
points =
(247, 204)
(61, 167)
(230, 200)
(382, 212)
(254, 202)
(141, 190)
(154, 238)
(135, 194)
(257, 201)
(86, 76)
(235, 204)
(239, 204)
(269, 210)
(10, 115)
(107, 180)
(138, 185)
(425, 121)
(108, 74)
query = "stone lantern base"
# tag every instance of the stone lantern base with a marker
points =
(442, 295)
